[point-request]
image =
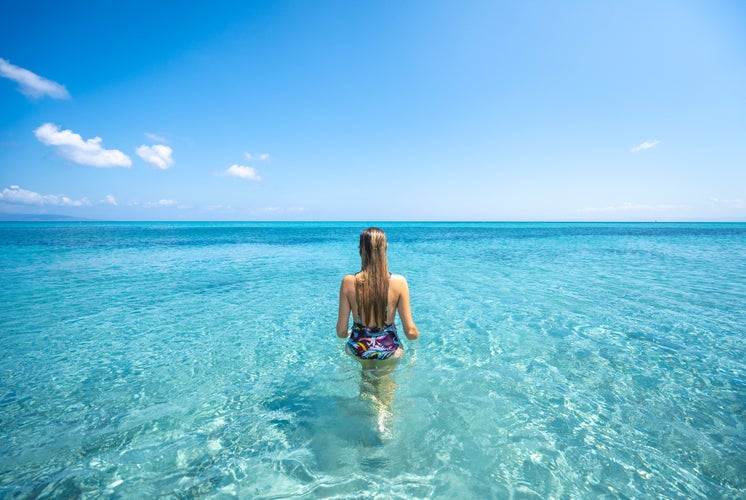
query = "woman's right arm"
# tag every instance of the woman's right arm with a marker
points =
(405, 311)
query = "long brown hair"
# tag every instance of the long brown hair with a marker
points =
(372, 282)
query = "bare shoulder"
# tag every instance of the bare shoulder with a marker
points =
(348, 281)
(398, 281)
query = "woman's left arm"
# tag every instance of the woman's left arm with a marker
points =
(343, 319)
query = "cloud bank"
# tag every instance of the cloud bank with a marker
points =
(72, 146)
(645, 145)
(30, 84)
(158, 155)
(18, 196)
(243, 172)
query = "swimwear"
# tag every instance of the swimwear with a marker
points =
(373, 342)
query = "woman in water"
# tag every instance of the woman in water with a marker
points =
(373, 296)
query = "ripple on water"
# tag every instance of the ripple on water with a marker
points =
(200, 361)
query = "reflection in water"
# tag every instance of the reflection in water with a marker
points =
(377, 386)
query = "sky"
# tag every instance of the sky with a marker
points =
(374, 111)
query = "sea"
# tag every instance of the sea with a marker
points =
(200, 360)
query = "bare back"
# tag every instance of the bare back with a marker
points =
(398, 300)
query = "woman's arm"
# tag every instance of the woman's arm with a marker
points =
(343, 319)
(405, 311)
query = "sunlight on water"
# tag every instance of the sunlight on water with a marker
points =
(555, 361)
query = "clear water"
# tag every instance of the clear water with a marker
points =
(200, 360)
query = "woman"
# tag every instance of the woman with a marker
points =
(373, 296)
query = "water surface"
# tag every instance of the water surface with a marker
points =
(200, 360)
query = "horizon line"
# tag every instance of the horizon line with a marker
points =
(61, 218)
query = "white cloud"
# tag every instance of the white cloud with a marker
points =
(155, 137)
(31, 84)
(645, 145)
(18, 196)
(158, 155)
(159, 203)
(281, 210)
(72, 146)
(243, 172)
(110, 200)
(732, 203)
(257, 157)
(628, 206)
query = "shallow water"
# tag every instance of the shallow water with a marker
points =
(200, 360)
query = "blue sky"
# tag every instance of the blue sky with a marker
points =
(393, 110)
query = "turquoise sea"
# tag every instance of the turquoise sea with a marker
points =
(199, 360)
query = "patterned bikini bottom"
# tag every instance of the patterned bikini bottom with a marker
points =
(376, 342)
